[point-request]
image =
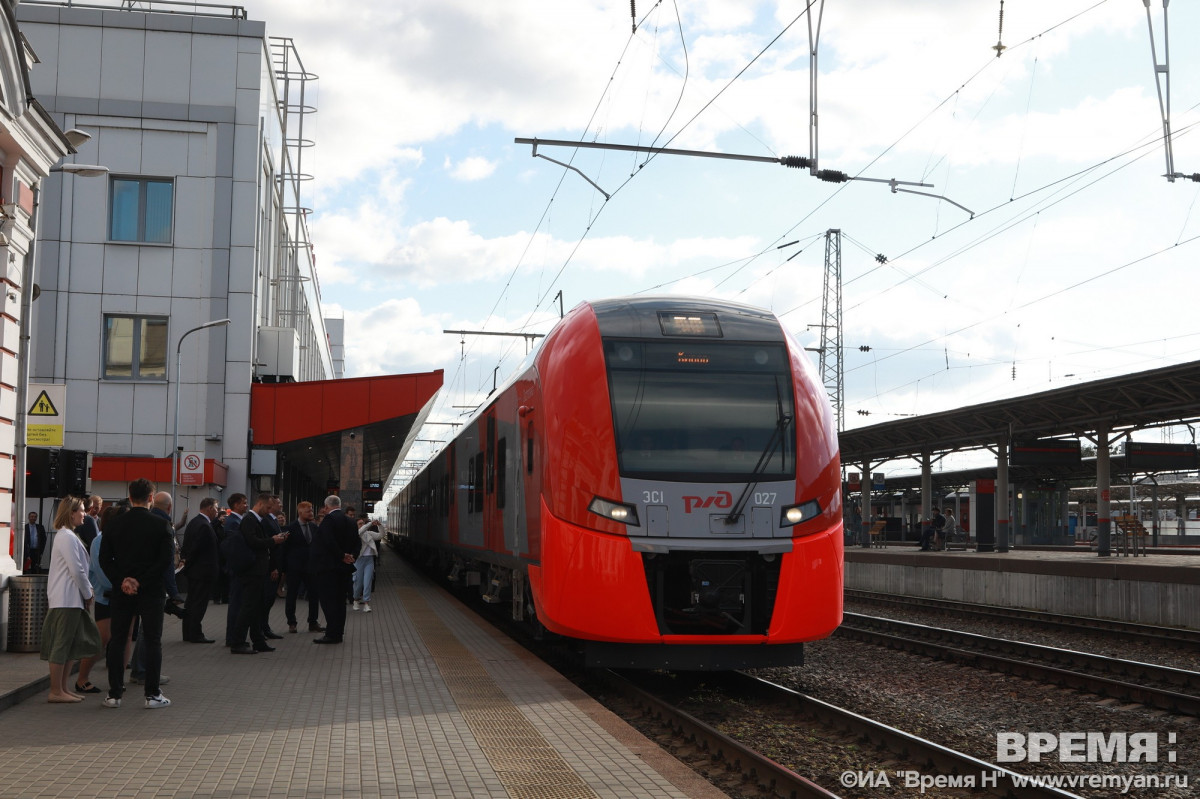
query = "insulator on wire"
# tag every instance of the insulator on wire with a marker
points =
(633, 14)
(795, 162)
(832, 176)
(1194, 177)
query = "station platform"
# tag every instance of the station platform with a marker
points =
(423, 699)
(1157, 588)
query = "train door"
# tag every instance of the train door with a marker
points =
(494, 493)
(527, 481)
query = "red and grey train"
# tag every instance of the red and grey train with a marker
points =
(659, 481)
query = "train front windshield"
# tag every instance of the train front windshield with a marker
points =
(709, 410)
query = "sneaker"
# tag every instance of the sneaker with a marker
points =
(111, 701)
(157, 701)
(357, 605)
(366, 607)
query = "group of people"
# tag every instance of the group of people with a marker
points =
(113, 570)
(937, 530)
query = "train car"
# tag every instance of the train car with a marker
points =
(659, 481)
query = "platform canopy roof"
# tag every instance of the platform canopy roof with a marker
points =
(1155, 398)
(305, 422)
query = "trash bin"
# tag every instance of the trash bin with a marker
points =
(27, 607)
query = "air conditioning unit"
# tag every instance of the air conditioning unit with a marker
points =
(278, 354)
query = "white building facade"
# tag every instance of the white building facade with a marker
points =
(30, 145)
(199, 118)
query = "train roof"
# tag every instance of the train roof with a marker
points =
(639, 317)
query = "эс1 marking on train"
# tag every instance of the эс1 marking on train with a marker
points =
(659, 481)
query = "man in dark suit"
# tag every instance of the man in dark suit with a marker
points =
(238, 507)
(200, 566)
(270, 589)
(135, 552)
(250, 616)
(296, 550)
(35, 541)
(331, 559)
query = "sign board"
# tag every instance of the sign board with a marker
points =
(1046, 452)
(263, 461)
(1143, 456)
(191, 468)
(46, 415)
(877, 482)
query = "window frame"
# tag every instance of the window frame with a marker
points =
(135, 365)
(143, 183)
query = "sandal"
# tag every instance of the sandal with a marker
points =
(87, 688)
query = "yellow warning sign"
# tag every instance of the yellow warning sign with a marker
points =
(46, 415)
(42, 406)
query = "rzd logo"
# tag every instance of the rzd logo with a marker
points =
(722, 499)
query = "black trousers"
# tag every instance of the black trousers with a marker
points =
(269, 592)
(200, 591)
(331, 585)
(250, 613)
(294, 581)
(148, 604)
(233, 604)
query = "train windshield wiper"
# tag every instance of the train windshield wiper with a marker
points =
(782, 422)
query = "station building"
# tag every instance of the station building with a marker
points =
(30, 145)
(200, 119)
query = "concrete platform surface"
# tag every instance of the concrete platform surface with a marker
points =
(422, 700)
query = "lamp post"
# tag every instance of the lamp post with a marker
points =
(178, 387)
(28, 274)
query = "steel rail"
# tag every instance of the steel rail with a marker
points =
(1177, 637)
(766, 773)
(917, 638)
(921, 751)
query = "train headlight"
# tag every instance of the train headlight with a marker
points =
(794, 514)
(617, 511)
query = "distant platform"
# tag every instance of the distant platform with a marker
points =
(1158, 588)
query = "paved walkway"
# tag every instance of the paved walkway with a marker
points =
(423, 700)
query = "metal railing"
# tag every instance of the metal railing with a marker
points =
(153, 7)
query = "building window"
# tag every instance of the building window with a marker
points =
(140, 209)
(135, 347)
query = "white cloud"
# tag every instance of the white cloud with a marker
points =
(470, 169)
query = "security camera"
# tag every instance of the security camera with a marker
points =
(219, 489)
(352, 436)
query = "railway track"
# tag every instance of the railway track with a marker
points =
(1174, 690)
(1173, 637)
(941, 768)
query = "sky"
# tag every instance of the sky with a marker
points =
(1047, 250)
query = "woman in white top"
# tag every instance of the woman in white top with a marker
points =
(69, 633)
(364, 567)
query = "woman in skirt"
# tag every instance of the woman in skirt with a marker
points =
(69, 633)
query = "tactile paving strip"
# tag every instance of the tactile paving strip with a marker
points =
(527, 765)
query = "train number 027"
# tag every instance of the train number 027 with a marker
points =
(764, 498)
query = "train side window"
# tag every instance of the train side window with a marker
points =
(453, 476)
(472, 487)
(478, 483)
(501, 470)
(491, 454)
(529, 449)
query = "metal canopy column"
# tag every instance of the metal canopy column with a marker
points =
(926, 487)
(865, 506)
(1003, 505)
(1103, 487)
